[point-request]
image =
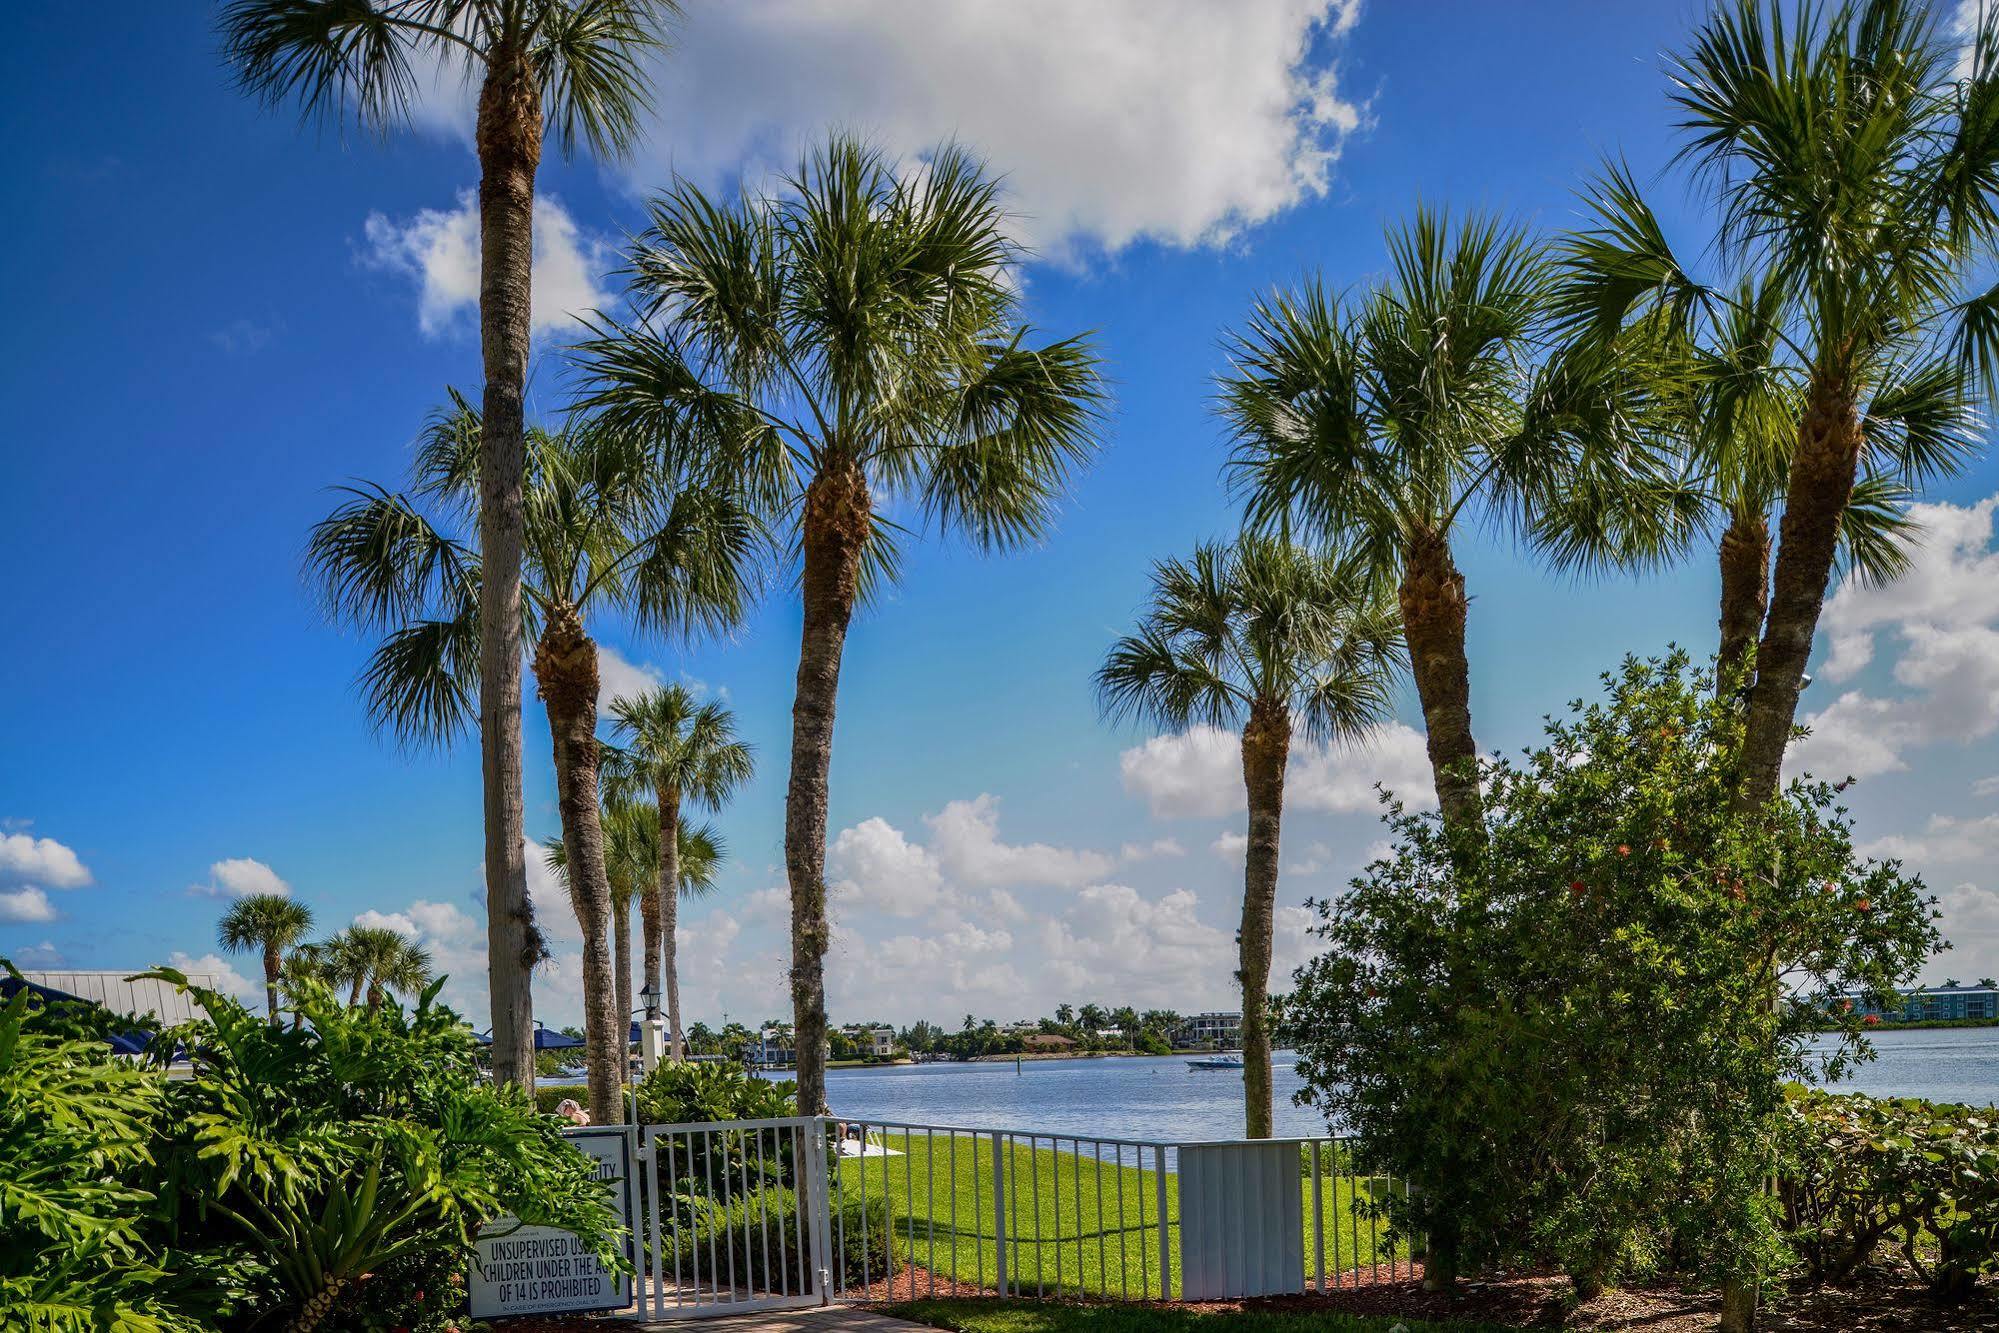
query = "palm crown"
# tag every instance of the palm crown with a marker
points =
(263, 921)
(671, 743)
(1257, 624)
(365, 57)
(600, 527)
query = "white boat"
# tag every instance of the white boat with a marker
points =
(1223, 1060)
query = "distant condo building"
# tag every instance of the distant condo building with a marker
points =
(1217, 1029)
(1929, 1004)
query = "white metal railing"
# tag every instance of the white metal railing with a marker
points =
(771, 1214)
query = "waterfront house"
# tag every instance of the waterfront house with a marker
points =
(1931, 1004)
(1215, 1030)
(1046, 1043)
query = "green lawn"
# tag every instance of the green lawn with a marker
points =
(1074, 1226)
(989, 1316)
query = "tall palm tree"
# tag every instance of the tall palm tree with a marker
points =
(567, 68)
(1391, 419)
(267, 923)
(677, 750)
(603, 528)
(852, 338)
(631, 855)
(1852, 170)
(1263, 638)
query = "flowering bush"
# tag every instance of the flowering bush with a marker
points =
(1571, 1039)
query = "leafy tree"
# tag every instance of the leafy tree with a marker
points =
(1388, 420)
(267, 924)
(676, 750)
(1065, 1015)
(604, 529)
(566, 68)
(1571, 1051)
(1262, 638)
(854, 335)
(1852, 170)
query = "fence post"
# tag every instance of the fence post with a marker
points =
(999, 1215)
(1165, 1236)
(812, 1176)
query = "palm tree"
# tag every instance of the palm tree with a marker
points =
(1850, 167)
(377, 960)
(677, 751)
(1260, 637)
(268, 923)
(567, 68)
(854, 337)
(631, 858)
(602, 528)
(1389, 420)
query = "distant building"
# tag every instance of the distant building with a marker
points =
(1214, 1029)
(143, 996)
(1047, 1041)
(1930, 1004)
(876, 1041)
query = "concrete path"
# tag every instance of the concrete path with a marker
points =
(826, 1319)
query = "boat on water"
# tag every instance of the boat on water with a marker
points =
(1221, 1060)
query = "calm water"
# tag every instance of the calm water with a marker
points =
(1160, 1098)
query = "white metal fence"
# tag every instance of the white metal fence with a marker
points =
(773, 1214)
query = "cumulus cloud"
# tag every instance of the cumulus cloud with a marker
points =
(43, 861)
(438, 249)
(1199, 772)
(1181, 122)
(1147, 851)
(221, 971)
(24, 904)
(1944, 618)
(1231, 846)
(964, 836)
(618, 678)
(240, 877)
(880, 868)
(399, 922)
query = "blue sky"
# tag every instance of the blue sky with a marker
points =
(216, 315)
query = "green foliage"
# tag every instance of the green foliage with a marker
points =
(755, 1236)
(686, 1092)
(78, 1248)
(1860, 1171)
(362, 1137)
(1574, 1049)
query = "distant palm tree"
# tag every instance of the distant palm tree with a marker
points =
(631, 857)
(268, 923)
(1262, 638)
(603, 529)
(1387, 422)
(675, 750)
(383, 960)
(570, 68)
(854, 337)
(1849, 162)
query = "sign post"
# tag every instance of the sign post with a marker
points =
(540, 1270)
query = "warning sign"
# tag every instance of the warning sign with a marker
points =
(539, 1270)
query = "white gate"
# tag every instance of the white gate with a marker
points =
(735, 1217)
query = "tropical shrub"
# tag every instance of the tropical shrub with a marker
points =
(80, 1244)
(361, 1138)
(1571, 1042)
(753, 1239)
(689, 1092)
(1861, 1171)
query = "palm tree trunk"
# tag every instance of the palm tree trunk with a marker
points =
(1432, 597)
(1820, 486)
(1745, 595)
(273, 963)
(1266, 748)
(649, 931)
(669, 914)
(509, 140)
(565, 667)
(834, 529)
(621, 957)
(354, 992)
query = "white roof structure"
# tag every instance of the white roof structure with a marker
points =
(143, 996)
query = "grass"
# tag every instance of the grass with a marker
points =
(990, 1316)
(1074, 1225)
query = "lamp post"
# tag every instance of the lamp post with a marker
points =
(652, 1032)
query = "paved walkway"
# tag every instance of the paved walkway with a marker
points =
(826, 1319)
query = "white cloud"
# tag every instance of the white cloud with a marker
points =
(1117, 944)
(964, 837)
(26, 904)
(1146, 851)
(439, 249)
(618, 678)
(240, 877)
(1177, 121)
(42, 860)
(1944, 614)
(399, 922)
(1231, 846)
(880, 868)
(44, 954)
(223, 973)
(1199, 772)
